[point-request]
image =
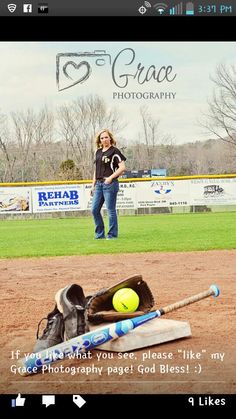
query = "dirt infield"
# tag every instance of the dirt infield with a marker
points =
(27, 294)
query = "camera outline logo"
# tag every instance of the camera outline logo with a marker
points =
(84, 63)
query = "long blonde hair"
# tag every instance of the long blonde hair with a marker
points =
(98, 141)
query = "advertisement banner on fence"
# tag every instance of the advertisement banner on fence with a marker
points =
(15, 200)
(58, 198)
(87, 196)
(126, 198)
(166, 193)
(213, 191)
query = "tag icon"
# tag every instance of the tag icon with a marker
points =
(78, 400)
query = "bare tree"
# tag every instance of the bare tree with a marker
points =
(150, 136)
(7, 174)
(222, 107)
(78, 124)
(167, 153)
(32, 134)
(45, 149)
(8, 158)
(151, 139)
(23, 123)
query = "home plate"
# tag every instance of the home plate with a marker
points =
(151, 333)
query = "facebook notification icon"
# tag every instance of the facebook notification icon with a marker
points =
(27, 8)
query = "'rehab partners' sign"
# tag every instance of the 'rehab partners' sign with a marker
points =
(58, 198)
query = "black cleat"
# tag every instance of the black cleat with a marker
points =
(53, 333)
(72, 303)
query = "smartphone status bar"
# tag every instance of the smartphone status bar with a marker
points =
(140, 8)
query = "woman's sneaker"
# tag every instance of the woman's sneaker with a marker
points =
(53, 332)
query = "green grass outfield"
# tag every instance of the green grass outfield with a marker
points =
(145, 233)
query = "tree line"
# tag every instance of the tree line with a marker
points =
(59, 145)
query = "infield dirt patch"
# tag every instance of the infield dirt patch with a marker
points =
(27, 294)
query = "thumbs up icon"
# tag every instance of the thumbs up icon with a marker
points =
(19, 401)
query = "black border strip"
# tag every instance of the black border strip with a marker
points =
(45, 28)
(139, 402)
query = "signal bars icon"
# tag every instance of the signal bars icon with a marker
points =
(177, 10)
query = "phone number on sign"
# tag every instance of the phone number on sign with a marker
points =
(179, 203)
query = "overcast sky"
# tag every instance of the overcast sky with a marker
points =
(28, 79)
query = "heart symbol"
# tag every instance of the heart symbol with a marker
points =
(85, 67)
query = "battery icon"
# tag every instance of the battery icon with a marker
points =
(189, 8)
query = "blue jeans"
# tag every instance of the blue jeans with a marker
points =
(108, 194)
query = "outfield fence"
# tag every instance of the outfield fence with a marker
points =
(136, 196)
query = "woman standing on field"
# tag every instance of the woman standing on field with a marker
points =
(109, 165)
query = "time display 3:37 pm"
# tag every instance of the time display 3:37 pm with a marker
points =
(214, 8)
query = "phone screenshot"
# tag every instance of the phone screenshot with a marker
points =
(117, 205)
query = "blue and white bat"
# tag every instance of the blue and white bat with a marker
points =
(34, 363)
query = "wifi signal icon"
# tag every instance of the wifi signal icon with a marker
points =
(147, 4)
(160, 8)
(11, 7)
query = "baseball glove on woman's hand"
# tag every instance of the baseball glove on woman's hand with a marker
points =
(100, 308)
